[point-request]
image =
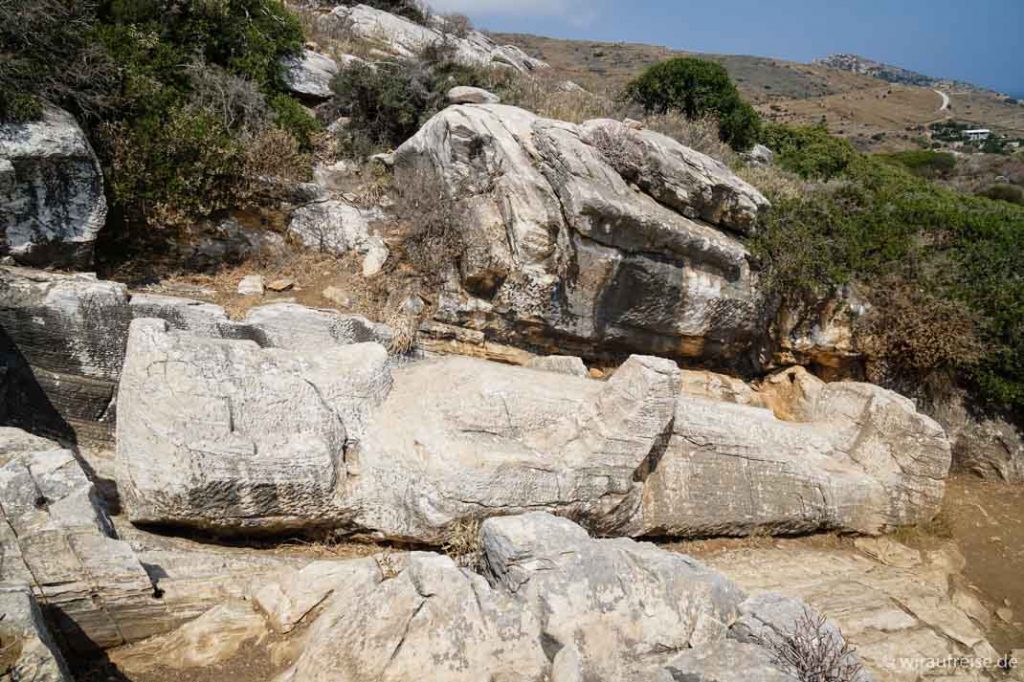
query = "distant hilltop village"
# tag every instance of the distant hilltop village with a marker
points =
(892, 74)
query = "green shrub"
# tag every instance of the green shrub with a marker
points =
(1005, 192)
(810, 151)
(288, 114)
(389, 102)
(48, 52)
(923, 162)
(958, 258)
(172, 92)
(697, 88)
(385, 102)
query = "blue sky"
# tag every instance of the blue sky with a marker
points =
(981, 41)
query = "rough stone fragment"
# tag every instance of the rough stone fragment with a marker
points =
(463, 94)
(310, 74)
(224, 434)
(61, 350)
(622, 608)
(29, 652)
(251, 285)
(212, 638)
(57, 540)
(52, 204)
(562, 364)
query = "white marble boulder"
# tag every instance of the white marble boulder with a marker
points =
(224, 434)
(309, 74)
(548, 603)
(52, 204)
(599, 235)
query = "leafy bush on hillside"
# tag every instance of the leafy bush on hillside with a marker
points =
(923, 162)
(809, 151)
(388, 102)
(958, 256)
(172, 92)
(1005, 192)
(697, 88)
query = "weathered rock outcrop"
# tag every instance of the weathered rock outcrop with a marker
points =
(460, 438)
(406, 38)
(62, 341)
(52, 204)
(61, 349)
(865, 460)
(215, 433)
(29, 652)
(555, 605)
(595, 235)
(58, 542)
(309, 74)
(902, 609)
(405, 453)
(338, 227)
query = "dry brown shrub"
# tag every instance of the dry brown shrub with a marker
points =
(433, 239)
(456, 24)
(814, 652)
(774, 182)
(551, 97)
(275, 153)
(911, 335)
(624, 153)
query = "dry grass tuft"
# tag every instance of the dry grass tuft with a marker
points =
(462, 543)
(701, 134)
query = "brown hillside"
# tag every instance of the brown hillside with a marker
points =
(875, 114)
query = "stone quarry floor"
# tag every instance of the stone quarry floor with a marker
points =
(867, 585)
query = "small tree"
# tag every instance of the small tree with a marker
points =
(697, 88)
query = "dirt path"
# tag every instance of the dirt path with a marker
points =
(987, 521)
(945, 100)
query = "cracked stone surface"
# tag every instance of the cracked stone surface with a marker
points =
(598, 235)
(898, 607)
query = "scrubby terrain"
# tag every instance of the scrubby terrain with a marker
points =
(343, 341)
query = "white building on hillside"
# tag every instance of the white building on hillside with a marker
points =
(977, 135)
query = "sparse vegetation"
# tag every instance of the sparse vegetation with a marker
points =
(814, 651)
(697, 88)
(1013, 194)
(462, 543)
(434, 242)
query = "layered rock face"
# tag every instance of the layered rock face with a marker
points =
(29, 651)
(223, 434)
(226, 433)
(57, 543)
(61, 348)
(52, 204)
(600, 235)
(863, 459)
(62, 344)
(406, 38)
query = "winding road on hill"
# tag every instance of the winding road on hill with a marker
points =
(945, 100)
